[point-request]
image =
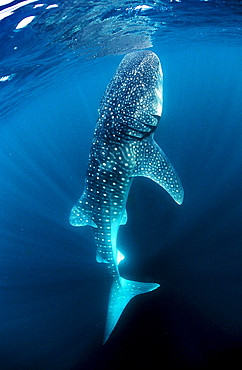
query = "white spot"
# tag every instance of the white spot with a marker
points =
(38, 5)
(7, 78)
(24, 22)
(52, 6)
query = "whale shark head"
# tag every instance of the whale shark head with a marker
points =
(134, 97)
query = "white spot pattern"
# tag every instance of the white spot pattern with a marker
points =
(123, 147)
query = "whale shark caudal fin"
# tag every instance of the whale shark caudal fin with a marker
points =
(122, 291)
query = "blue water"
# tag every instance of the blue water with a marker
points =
(53, 294)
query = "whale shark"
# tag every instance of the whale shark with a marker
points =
(123, 147)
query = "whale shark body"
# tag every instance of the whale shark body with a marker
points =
(123, 147)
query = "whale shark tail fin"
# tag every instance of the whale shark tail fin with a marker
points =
(122, 291)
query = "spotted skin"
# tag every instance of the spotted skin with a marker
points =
(123, 147)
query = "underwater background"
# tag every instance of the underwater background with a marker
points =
(56, 61)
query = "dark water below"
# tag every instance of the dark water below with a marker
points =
(53, 294)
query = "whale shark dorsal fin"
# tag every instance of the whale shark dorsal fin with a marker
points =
(100, 258)
(153, 163)
(119, 257)
(80, 216)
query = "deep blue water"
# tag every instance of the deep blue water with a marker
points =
(53, 294)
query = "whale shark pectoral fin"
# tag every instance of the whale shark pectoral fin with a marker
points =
(122, 291)
(153, 163)
(80, 216)
(124, 218)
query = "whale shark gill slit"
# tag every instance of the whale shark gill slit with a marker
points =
(123, 147)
